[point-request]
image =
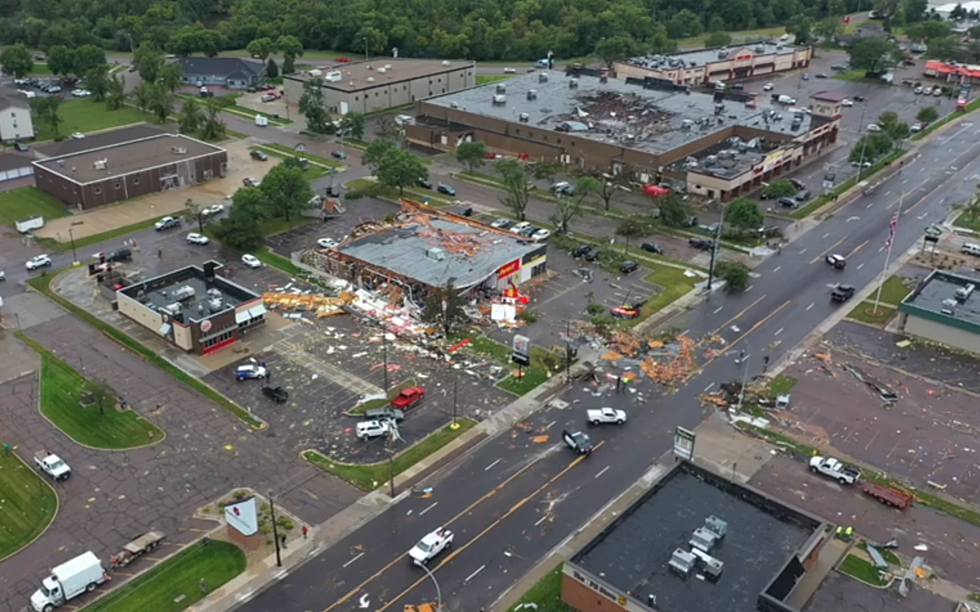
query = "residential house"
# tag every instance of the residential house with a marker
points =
(15, 117)
(230, 72)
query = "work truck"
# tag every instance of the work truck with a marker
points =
(606, 415)
(83, 574)
(52, 465)
(833, 468)
(431, 545)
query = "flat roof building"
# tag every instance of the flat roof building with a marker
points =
(382, 83)
(944, 308)
(124, 170)
(424, 247)
(696, 542)
(194, 308)
(721, 146)
(704, 66)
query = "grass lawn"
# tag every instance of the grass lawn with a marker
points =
(381, 403)
(371, 476)
(271, 227)
(310, 174)
(23, 202)
(817, 204)
(889, 557)
(865, 313)
(781, 384)
(894, 291)
(40, 69)
(857, 567)
(284, 150)
(533, 375)
(61, 402)
(545, 594)
(856, 76)
(673, 283)
(965, 220)
(85, 115)
(28, 504)
(175, 584)
(372, 188)
(278, 261)
(54, 245)
(42, 284)
(483, 79)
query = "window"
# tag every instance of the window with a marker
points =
(98, 190)
(356, 98)
(118, 185)
(517, 131)
(136, 180)
(559, 141)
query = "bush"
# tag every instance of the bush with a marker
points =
(595, 309)
(528, 316)
(354, 195)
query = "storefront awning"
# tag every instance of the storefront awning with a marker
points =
(257, 311)
(165, 329)
(242, 315)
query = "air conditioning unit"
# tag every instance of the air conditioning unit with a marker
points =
(500, 99)
(542, 77)
(436, 254)
(370, 79)
(445, 62)
(501, 89)
(573, 84)
(387, 66)
(682, 562)
(100, 164)
(524, 118)
(183, 293)
(382, 70)
(532, 95)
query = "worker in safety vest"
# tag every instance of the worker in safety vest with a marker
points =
(840, 531)
(849, 532)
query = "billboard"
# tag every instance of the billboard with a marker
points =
(522, 350)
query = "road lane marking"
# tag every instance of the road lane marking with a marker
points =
(810, 306)
(602, 471)
(870, 204)
(489, 467)
(473, 575)
(832, 247)
(434, 504)
(456, 552)
(353, 560)
(857, 248)
(739, 339)
(860, 266)
(778, 331)
(881, 249)
(803, 251)
(749, 288)
(708, 388)
(541, 520)
(466, 511)
(736, 317)
(777, 269)
(719, 309)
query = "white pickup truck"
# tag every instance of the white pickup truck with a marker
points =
(606, 415)
(431, 545)
(52, 465)
(828, 466)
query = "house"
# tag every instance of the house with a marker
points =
(15, 117)
(230, 72)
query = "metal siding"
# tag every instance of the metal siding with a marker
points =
(943, 334)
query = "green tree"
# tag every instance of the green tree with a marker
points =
(161, 101)
(517, 186)
(286, 190)
(444, 306)
(212, 127)
(673, 211)
(16, 60)
(801, 27)
(614, 48)
(191, 116)
(735, 274)
(376, 151)
(185, 41)
(311, 105)
(779, 189)
(47, 110)
(718, 39)
(97, 81)
(211, 43)
(142, 96)
(88, 57)
(194, 213)
(472, 154)
(352, 125)
(874, 54)
(870, 148)
(744, 214)
(61, 60)
(684, 24)
(170, 76)
(239, 230)
(829, 28)
(633, 227)
(927, 114)
(890, 123)
(149, 61)
(291, 48)
(943, 48)
(928, 30)
(253, 202)
(400, 169)
(717, 24)
(261, 48)
(271, 69)
(115, 95)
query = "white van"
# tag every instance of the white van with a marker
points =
(784, 99)
(971, 249)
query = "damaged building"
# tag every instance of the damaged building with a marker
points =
(423, 247)
(659, 129)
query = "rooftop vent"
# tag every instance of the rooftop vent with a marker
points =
(179, 150)
(501, 89)
(500, 99)
(382, 70)
(370, 79)
(712, 566)
(573, 84)
(100, 164)
(703, 539)
(542, 77)
(524, 118)
(532, 94)
(387, 66)
(61, 163)
(964, 293)
(183, 293)
(716, 526)
(436, 254)
(682, 562)
(454, 105)
(760, 49)
(445, 62)
(334, 76)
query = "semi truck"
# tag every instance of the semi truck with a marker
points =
(83, 574)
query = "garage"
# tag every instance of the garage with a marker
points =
(14, 166)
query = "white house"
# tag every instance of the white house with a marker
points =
(15, 117)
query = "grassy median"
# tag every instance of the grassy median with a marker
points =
(545, 594)
(176, 584)
(372, 475)
(856, 567)
(27, 506)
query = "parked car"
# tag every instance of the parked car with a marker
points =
(214, 209)
(195, 238)
(23, 148)
(804, 195)
(424, 183)
(338, 155)
(251, 182)
(563, 188)
(821, 75)
(250, 371)
(120, 255)
(268, 98)
(847, 102)
(502, 223)
(259, 155)
(540, 235)
(586, 252)
(276, 393)
(251, 261)
(788, 202)
(704, 244)
(797, 183)
(652, 247)
(446, 189)
(327, 243)
(874, 128)
(41, 261)
(367, 430)
(166, 223)
(408, 398)
(385, 414)
(628, 266)
(3, 275)
(517, 228)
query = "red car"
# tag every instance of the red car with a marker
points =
(408, 398)
(343, 60)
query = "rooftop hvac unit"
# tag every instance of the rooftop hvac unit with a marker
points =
(501, 89)
(215, 304)
(523, 118)
(179, 150)
(532, 95)
(454, 105)
(172, 309)
(682, 562)
(500, 99)
(100, 164)
(387, 66)
(542, 77)
(445, 62)
(964, 293)
(703, 539)
(382, 70)
(712, 567)
(436, 254)
(716, 526)
(183, 293)
(760, 49)
(334, 76)
(573, 84)
(370, 79)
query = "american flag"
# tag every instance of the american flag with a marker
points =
(891, 231)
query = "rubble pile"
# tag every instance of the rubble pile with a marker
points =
(298, 303)
(616, 112)
(667, 362)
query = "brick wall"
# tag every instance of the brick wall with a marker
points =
(584, 599)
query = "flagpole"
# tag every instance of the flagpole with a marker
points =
(892, 227)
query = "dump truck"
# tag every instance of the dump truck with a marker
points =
(83, 574)
(143, 544)
(52, 465)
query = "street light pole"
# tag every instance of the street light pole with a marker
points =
(745, 377)
(714, 249)
(568, 351)
(892, 228)
(384, 351)
(275, 528)
(432, 577)
(391, 460)
(74, 255)
(454, 424)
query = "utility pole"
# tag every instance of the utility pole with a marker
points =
(384, 350)
(454, 424)
(745, 377)
(864, 144)
(432, 577)
(275, 528)
(568, 351)
(74, 255)
(714, 249)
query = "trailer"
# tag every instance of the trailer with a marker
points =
(888, 495)
(143, 544)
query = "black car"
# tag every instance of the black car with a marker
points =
(120, 255)
(577, 441)
(259, 155)
(424, 183)
(628, 266)
(652, 247)
(587, 252)
(803, 196)
(842, 293)
(821, 75)
(839, 68)
(338, 155)
(788, 202)
(276, 393)
(446, 189)
(859, 98)
(23, 148)
(703, 244)
(797, 183)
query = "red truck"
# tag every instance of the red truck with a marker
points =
(888, 495)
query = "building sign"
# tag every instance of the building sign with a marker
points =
(522, 350)
(684, 443)
(598, 588)
(205, 326)
(243, 516)
(508, 269)
(774, 159)
(934, 231)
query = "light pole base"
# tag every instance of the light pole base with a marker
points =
(454, 426)
(76, 263)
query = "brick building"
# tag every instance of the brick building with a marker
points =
(121, 171)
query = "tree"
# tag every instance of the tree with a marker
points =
(472, 154)
(718, 39)
(97, 81)
(684, 24)
(801, 27)
(170, 76)
(16, 60)
(870, 148)
(744, 214)
(191, 116)
(291, 48)
(874, 54)
(943, 48)
(160, 102)
(568, 208)
(61, 60)
(517, 186)
(352, 125)
(400, 169)
(286, 190)
(100, 394)
(211, 43)
(375, 151)
(149, 61)
(890, 124)
(735, 274)
(194, 213)
(632, 227)
(239, 230)
(673, 211)
(928, 30)
(253, 202)
(261, 48)
(212, 128)
(142, 96)
(46, 110)
(614, 48)
(87, 57)
(829, 28)
(927, 114)
(444, 306)
(115, 95)
(779, 189)
(311, 105)
(271, 69)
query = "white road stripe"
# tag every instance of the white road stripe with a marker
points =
(860, 266)
(434, 504)
(473, 575)
(602, 471)
(777, 269)
(827, 234)
(719, 309)
(803, 251)
(487, 469)
(541, 520)
(353, 560)
(809, 307)
(778, 331)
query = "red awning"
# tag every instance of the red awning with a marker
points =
(655, 191)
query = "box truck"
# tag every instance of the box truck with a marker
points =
(80, 575)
